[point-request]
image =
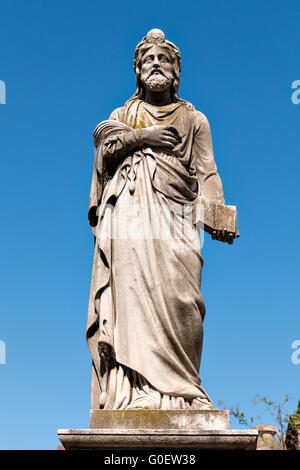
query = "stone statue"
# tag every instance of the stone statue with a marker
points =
(154, 160)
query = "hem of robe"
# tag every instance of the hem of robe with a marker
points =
(128, 389)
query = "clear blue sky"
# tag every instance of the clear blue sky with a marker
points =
(67, 65)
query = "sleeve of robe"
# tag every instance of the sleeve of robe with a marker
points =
(210, 185)
(117, 146)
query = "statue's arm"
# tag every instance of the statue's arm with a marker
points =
(116, 147)
(209, 180)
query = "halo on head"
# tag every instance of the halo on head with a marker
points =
(155, 36)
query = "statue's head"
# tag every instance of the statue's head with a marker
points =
(157, 64)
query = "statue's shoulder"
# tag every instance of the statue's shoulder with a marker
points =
(118, 114)
(198, 115)
(194, 114)
(201, 120)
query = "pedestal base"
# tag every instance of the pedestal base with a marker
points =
(111, 439)
(159, 419)
(158, 429)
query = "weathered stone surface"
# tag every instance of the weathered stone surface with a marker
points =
(266, 439)
(154, 158)
(160, 419)
(147, 439)
(213, 217)
(153, 429)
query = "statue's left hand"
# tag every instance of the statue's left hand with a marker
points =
(223, 236)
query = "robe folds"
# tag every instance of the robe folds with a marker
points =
(146, 309)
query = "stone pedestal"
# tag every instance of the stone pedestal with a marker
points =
(159, 419)
(158, 429)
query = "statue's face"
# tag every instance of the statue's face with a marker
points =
(157, 69)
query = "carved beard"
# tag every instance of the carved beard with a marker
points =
(158, 82)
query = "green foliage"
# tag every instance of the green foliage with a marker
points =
(285, 421)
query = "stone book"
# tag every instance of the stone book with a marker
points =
(212, 216)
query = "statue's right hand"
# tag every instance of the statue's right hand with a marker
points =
(160, 136)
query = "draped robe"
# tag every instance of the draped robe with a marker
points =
(146, 310)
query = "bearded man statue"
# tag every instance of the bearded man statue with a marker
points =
(154, 157)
